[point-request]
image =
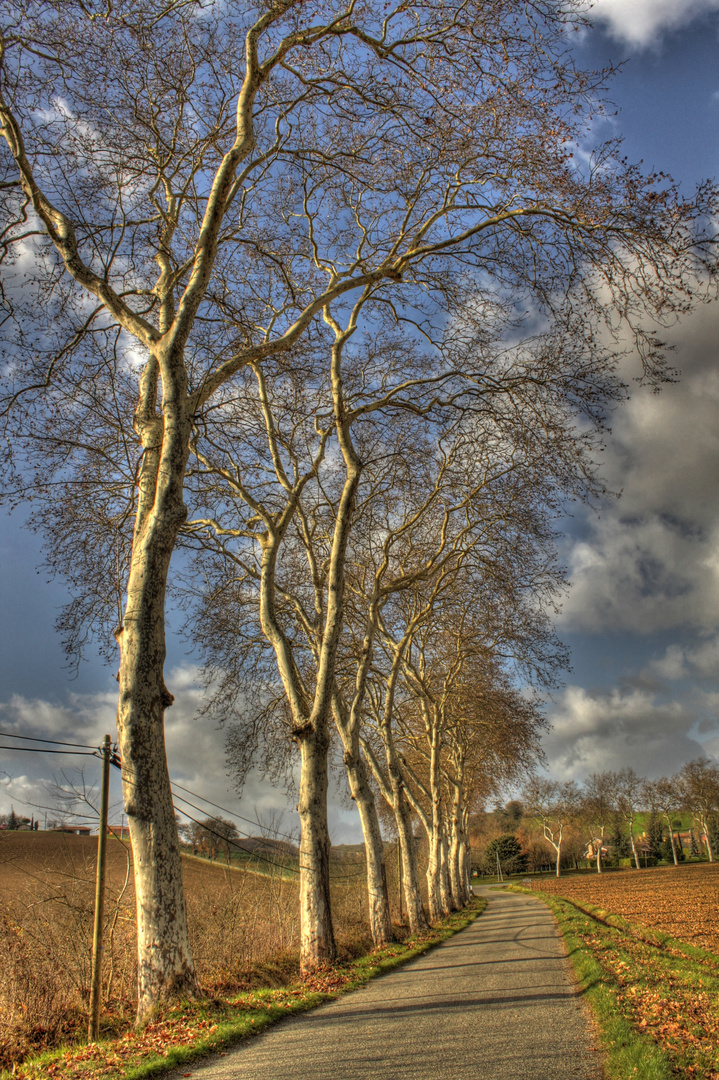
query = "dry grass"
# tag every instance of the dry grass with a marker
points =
(681, 901)
(244, 928)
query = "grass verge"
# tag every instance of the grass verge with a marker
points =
(187, 1032)
(655, 999)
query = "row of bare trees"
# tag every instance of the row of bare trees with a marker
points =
(608, 797)
(332, 301)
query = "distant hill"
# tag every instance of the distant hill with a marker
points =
(267, 846)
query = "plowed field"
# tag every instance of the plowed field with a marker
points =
(682, 901)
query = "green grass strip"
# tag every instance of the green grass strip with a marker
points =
(630, 1055)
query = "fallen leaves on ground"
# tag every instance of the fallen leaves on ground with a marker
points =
(668, 992)
(681, 901)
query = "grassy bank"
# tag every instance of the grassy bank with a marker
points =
(655, 999)
(182, 1035)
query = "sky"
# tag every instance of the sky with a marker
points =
(642, 616)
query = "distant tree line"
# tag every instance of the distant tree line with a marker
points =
(12, 821)
(613, 817)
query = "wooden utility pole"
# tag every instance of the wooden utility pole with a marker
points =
(93, 1024)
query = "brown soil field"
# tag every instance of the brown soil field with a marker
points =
(244, 930)
(681, 901)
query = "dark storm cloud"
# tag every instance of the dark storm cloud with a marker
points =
(650, 560)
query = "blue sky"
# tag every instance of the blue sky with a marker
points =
(642, 619)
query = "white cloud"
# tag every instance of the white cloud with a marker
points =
(642, 22)
(195, 754)
(686, 661)
(594, 732)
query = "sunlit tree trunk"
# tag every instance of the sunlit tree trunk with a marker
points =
(632, 843)
(165, 967)
(393, 791)
(457, 850)
(378, 900)
(447, 897)
(317, 940)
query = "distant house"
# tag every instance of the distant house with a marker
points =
(73, 830)
(122, 832)
(591, 852)
(685, 838)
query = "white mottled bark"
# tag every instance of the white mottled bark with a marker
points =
(447, 898)
(378, 900)
(393, 791)
(410, 877)
(457, 849)
(434, 864)
(165, 967)
(317, 940)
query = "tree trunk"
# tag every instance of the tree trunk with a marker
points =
(434, 896)
(673, 843)
(165, 967)
(449, 901)
(634, 846)
(434, 833)
(456, 882)
(455, 872)
(395, 796)
(599, 858)
(465, 864)
(708, 842)
(559, 859)
(378, 900)
(317, 939)
(410, 877)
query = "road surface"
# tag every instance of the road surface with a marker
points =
(495, 1002)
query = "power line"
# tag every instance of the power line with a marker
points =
(236, 843)
(35, 738)
(227, 840)
(88, 751)
(239, 816)
(232, 813)
(207, 828)
(42, 750)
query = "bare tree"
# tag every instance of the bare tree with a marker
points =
(698, 782)
(664, 795)
(598, 807)
(556, 805)
(457, 727)
(629, 787)
(171, 224)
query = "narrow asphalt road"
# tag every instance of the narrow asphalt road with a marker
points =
(495, 1002)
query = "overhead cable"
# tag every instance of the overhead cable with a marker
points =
(36, 738)
(42, 750)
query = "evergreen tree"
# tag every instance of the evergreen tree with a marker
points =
(512, 859)
(618, 840)
(655, 836)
